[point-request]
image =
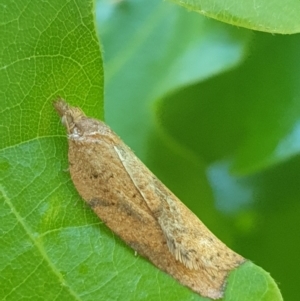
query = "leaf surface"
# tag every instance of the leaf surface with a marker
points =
(273, 16)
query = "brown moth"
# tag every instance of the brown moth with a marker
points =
(134, 204)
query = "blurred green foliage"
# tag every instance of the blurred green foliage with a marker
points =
(225, 136)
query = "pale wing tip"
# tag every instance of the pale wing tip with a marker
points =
(197, 260)
(183, 255)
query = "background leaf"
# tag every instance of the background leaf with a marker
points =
(273, 16)
(136, 77)
(210, 135)
(250, 114)
(172, 49)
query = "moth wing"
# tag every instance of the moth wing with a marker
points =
(186, 241)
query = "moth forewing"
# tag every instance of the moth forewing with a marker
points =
(134, 204)
(188, 239)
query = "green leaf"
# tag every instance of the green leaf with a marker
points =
(270, 16)
(46, 50)
(52, 246)
(250, 282)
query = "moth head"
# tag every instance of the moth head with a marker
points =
(69, 115)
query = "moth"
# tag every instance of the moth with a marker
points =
(135, 205)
